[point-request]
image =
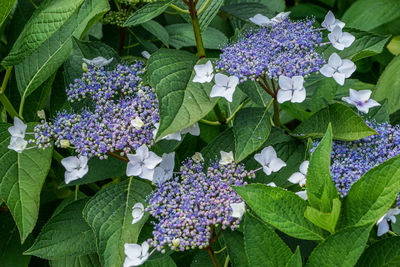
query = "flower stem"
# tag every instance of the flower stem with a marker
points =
(179, 9)
(117, 156)
(3, 98)
(196, 28)
(237, 110)
(212, 256)
(213, 123)
(203, 7)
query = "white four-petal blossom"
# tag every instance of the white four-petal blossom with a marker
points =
(197, 157)
(142, 163)
(75, 167)
(224, 86)
(261, 20)
(238, 209)
(302, 194)
(382, 223)
(137, 123)
(18, 144)
(204, 73)
(137, 212)
(269, 160)
(226, 157)
(98, 61)
(339, 39)
(18, 129)
(164, 171)
(146, 54)
(271, 184)
(300, 177)
(193, 130)
(280, 17)
(361, 99)
(135, 254)
(291, 89)
(330, 22)
(338, 68)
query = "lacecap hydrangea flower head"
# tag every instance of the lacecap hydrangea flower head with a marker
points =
(119, 116)
(197, 199)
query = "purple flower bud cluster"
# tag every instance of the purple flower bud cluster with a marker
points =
(286, 48)
(351, 160)
(188, 205)
(120, 100)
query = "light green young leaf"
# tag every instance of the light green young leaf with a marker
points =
(282, 209)
(369, 14)
(340, 249)
(109, 213)
(6, 7)
(147, 12)
(321, 189)
(325, 220)
(295, 260)
(51, 54)
(263, 246)
(65, 234)
(385, 252)
(373, 194)
(182, 102)
(91, 260)
(251, 128)
(21, 179)
(234, 242)
(388, 86)
(346, 124)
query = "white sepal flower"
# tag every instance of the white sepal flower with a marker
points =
(135, 254)
(226, 157)
(98, 61)
(271, 184)
(18, 129)
(193, 130)
(142, 164)
(300, 177)
(146, 54)
(137, 123)
(361, 99)
(291, 89)
(339, 39)
(224, 86)
(261, 20)
(280, 17)
(197, 157)
(302, 194)
(238, 209)
(204, 73)
(18, 144)
(164, 171)
(75, 168)
(338, 68)
(382, 223)
(64, 143)
(269, 160)
(137, 212)
(330, 22)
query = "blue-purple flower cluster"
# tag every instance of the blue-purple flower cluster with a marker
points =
(351, 160)
(120, 99)
(286, 48)
(191, 203)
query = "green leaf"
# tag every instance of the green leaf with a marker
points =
(373, 194)
(385, 252)
(109, 213)
(394, 45)
(182, 102)
(251, 128)
(254, 91)
(50, 17)
(388, 86)
(157, 30)
(340, 249)
(6, 7)
(245, 11)
(49, 56)
(21, 178)
(65, 234)
(206, 17)
(91, 260)
(147, 13)
(89, 50)
(366, 44)
(369, 14)
(325, 220)
(234, 242)
(223, 142)
(10, 246)
(346, 124)
(181, 35)
(321, 189)
(295, 260)
(263, 246)
(165, 261)
(282, 209)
